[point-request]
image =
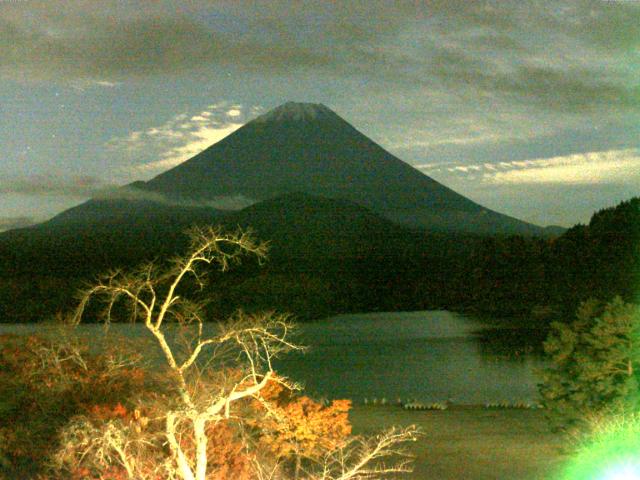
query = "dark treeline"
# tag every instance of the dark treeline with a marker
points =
(327, 258)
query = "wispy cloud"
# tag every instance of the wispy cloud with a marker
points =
(613, 166)
(82, 84)
(231, 202)
(445, 139)
(80, 186)
(9, 223)
(84, 187)
(600, 167)
(180, 138)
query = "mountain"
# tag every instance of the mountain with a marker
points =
(305, 147)
(307, 228)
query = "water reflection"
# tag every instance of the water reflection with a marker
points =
(430, 356)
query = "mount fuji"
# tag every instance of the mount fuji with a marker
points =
(308, 148)
(337, 208)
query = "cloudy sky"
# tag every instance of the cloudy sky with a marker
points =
(531, 108)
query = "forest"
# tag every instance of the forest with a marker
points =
(315, 269)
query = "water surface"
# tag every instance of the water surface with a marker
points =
(430, 356)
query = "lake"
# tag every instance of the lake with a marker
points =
(429, 356)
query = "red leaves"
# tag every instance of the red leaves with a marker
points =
(108, 412)
(44, 383)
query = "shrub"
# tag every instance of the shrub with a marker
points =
(44, 383)
(594, 362)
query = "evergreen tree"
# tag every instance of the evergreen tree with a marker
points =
(594, 364)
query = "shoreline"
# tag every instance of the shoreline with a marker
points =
(472, 442)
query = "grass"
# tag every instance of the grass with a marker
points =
(472, 443)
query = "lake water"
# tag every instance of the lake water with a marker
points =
(430, 356)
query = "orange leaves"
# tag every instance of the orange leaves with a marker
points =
(45, 383)
(108, 412)
(227, 454)
(299, 425)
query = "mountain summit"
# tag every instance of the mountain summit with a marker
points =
(298, 112)
(308, 148)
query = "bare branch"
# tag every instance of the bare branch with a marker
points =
(363, 458)
(245, 345)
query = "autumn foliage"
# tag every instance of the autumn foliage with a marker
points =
(297, 425)
(45, 383)
(213, 408)
(57, 399)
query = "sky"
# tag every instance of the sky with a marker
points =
(531, 108)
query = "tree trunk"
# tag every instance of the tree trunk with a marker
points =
(199, 430)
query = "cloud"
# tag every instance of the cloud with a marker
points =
(444, 139)
(614, 166)
(81, 186)
(565, 56)
(135, 193)
(232, 202)
(567, 88)
(106, 83)
(128, 41)
(9, 223)
(76, 188)
(84, 187)
(83, 84)
(178, 139)
(586, 168)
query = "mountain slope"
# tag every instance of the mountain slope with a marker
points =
(99, 235)
(308, 148)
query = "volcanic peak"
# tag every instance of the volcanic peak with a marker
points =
(298, 112)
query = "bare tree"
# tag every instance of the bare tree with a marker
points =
(359, 458)
(247, 343)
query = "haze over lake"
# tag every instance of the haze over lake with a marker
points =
(430, 356)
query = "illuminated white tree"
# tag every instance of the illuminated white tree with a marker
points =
(204, 395)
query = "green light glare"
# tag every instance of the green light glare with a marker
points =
(612, 453)
(623, 472)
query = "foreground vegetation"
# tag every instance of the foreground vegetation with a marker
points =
(591, 389)
(217, 410)
(594, 366)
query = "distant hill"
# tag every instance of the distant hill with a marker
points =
(330, 256)
(304, 228)
(316, 244)
(98, 235)
(601, 259)
(102, 234)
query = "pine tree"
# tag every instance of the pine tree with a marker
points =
(594, 364)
